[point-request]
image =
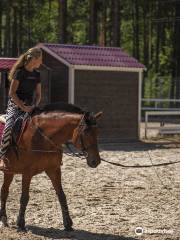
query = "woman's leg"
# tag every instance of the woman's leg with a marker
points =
(12, 113)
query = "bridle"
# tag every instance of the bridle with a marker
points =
(81, 128)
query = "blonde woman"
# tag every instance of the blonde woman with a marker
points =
(24, 94)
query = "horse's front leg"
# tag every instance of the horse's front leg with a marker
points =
(4, 195)
(55, 177)
(26, 180)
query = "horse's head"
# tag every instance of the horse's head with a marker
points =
(85, 138)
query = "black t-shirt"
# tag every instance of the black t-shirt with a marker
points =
(27, 84)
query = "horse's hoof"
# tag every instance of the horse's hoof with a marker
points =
(68, 229)
(67, 222)
(21, 225)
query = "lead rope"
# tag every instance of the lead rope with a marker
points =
(140, 166)
(162, 183)
(160, 180)
(148, 166)
(82, 156)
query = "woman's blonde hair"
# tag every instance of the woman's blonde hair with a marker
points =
(24, 59)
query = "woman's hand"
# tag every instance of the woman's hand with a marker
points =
(28, 108)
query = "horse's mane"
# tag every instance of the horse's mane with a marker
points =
(58, 106)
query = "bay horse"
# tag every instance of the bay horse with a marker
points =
(40, 149)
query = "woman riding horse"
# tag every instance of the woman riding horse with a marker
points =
(40, 150)
(25, 83)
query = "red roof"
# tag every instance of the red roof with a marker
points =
(7, 63)
(92, 55)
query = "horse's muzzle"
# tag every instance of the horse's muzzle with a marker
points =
(93, 163)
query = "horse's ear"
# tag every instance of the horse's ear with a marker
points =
(98, 115)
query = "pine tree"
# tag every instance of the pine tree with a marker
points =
(63, 21)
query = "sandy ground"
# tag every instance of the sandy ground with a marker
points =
(107, 203)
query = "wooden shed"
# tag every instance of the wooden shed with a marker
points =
(95, 78)
(98, 79)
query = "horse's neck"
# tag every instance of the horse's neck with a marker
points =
(65, 126)
(58, 127)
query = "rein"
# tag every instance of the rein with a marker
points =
(84, 149)
(45, 137)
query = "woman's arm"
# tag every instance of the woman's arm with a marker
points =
(38, 94)
(12, 93)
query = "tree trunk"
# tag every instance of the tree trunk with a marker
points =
(145, 42)
(14, 33)
(20, 25)
(116, 23)
(7, 34)
(158, 27)
(151, 29)
(102, 34)
(29, 22)
(177, 53)
(63, 21)
(136, 29)
(109, 24)
(1, 14)
(93, 22)
(146, 33)
(157, 50)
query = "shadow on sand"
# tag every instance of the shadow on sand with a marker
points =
(139, 146)
(53, 233)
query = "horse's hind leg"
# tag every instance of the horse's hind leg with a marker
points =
(26, 180)
(4, 195)
(55, 176)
